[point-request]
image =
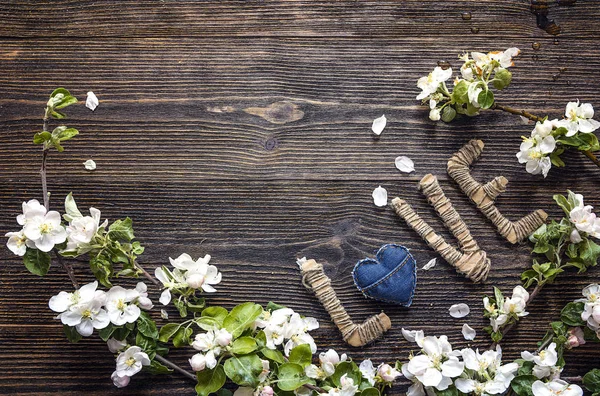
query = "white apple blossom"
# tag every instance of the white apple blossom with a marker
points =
(579, 118)
(437, 364)
(555, 387)
(545, 362)
(81, 309)
(120, 382)
(131, 361)
(347, 387)
(17, 242)
(417, 388)
(296, 332)
(82, 229)
(368, 371)
(387, 373)
(430, 84)
(534, 154)
(43, 230)
(328, 362)
(142, 299)
(591, 308)
(198, 274)
(211, 343)
(576, 338)
(121, 307)
(198, 362)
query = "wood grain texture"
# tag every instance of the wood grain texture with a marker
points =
(242, 129)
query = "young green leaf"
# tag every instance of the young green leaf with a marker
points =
(291, 377)
(72, 333)
(243, 346)
(241, 317)
(521, 385)
(156, 368)
(571, 314)
(485, 99)
(301, 355)
(36, 261)
(244, 370)
(147, 326)
(210, 381)
(168, 331)
(592, 380)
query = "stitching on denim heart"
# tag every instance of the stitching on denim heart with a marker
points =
(365, 292)
(380, 281)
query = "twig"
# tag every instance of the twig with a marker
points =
(175, 367)
(592, 157)
(508, 328)
(146, 274)
(510, 110)
(68, 268)
(315, 388)
(44, 183)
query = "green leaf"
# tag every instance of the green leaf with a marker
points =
(157, 368)
(121, 230)
(563, 203)
(556, 160)
(448, 114)
(460, 92)
(181, 307)
(273, 354)
(217, 313)
(243, 346)
(571, 314)
(63, 133)
(102, 269)
(301, 355)
(42, 137)
(168, 331)
(71, 333)
(526, 368)
(346, 368)
(485, 99)
(291, 377)
(210, 381)
(182, 337)
(71, 210)
(146, 343)
(592, 380)
(244, 370)
(502, 78)
(498, 296)
(241, 317)
(36, 261)
(271, 306)
(61, 98)
(450, 391)
(589, 251)
(521, 384)
(370, 392)
(107, 332)
(147, 326)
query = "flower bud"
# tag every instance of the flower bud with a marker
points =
(223, 337)
(115, 345)
(575, 237)
(434, 115)
(195, 281)
(198, 362)
(387, 372)
(266, 391)
(575, 337)
(120, 382)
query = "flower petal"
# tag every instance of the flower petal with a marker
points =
(91, 101)
(378, 125)
(459, 310)
(380, 196)
(89, 165)
(468, 332)
(404, 164)
(430, 264)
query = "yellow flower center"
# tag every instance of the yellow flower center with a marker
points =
(45, 228)
(87, 314)
(130, 362)
(120, 304)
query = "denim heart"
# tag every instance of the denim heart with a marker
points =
(391, 276)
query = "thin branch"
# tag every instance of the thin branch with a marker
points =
(146, 274)
(315, 388)
(175, 367)
(592, 157)
(510, 110)
(68, 268)
(44, 183)
(508, 328)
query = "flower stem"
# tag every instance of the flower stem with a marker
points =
(510, 110)
(508, 328)
(175, 367)
(68, 268)
(315, 388)
(146, 274)
(592, 157)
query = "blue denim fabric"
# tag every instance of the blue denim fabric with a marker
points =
(390, 277)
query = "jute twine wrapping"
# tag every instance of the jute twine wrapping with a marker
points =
(470, 260)
(314, 278)
(484, 195)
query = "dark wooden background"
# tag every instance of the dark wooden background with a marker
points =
(242, 129)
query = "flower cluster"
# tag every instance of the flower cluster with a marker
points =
(504, 310)
(87, 308)
(82, 230)
(285, 327)
(591, 308)
(440, 368)
(211, 344)
(544, 362)
(583, 219)
(42, 229)
(550, 138)
(185, 279)
(472, 92)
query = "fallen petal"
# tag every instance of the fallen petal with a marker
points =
(92, 101)
(89, 165)
(380, 196)
(379, 124)
(468, 332)
(459, 310)
(405, 164)
(430, 264)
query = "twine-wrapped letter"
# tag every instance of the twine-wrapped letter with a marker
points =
(471, 260)
(314, 278)
(484, 195)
